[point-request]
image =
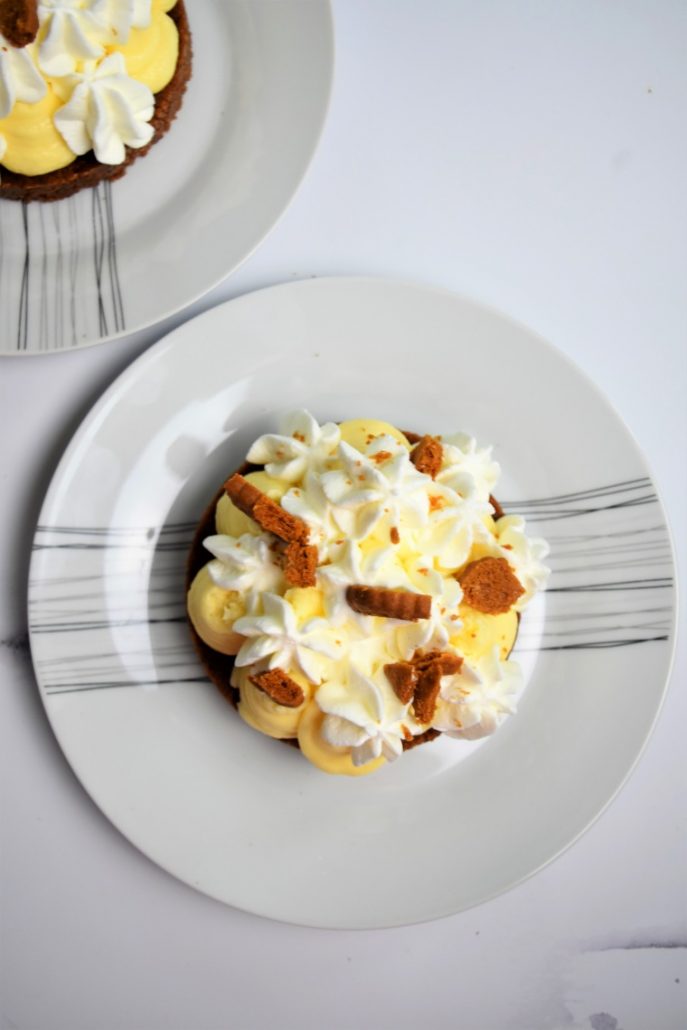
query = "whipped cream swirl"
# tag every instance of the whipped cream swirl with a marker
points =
(123, 15)
(473, 703)
(455, 522)
(467, 468)
(244, 564)
(107, 112)
(308, 502)
(74, 31)
(364, 715)
(275, 637)
(381, 483)
(19, 77)
(301, 445)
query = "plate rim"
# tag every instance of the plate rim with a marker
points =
(308, 283)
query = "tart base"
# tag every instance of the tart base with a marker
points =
(218, 667)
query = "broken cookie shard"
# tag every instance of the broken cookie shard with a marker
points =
(389, 604)
(448, 663)
(428, 669)
(427, 455)
(418, 680)
(280, 687)
(403, 677)
(300, 564)
(490, 586)
(269, 515)
(426, 692)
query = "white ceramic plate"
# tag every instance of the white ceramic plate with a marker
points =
(244, 818)
(125, 255)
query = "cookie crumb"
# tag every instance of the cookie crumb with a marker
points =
(498, 510)
(422, 738)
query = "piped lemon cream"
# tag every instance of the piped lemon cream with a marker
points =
(87, 82)
(33, 144)
(367, 590)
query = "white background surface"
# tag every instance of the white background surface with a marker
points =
(532, 155)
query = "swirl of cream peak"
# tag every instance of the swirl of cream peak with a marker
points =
(243, 563)
(19, 78)
(380, 483)
(365, 715)
(301, 445)
(474, 702)
(107, 112)
(275, 636)
(468, 468)
(73, 31)
(123, 15)
(456, 521)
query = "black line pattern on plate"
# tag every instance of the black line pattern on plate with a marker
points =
(617, 496)
(23, 320)
(136, 635)
(611, 571)
(611, 586)
(59, 274)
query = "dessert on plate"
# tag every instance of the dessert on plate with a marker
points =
(363, 590)
(86, 86)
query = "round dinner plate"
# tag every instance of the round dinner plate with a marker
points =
(242, 817)
(127, 254)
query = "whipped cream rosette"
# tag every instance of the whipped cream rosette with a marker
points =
(107, 111)
(20, 79)
(363, 591)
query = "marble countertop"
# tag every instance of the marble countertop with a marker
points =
(533, 157)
